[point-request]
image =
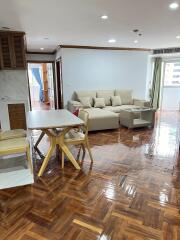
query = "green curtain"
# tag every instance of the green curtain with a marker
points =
(156, 84)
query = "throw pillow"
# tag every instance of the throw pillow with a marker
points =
(99, 102)
(81, 94)
(116, 101)
(86, 102)
(76, 112)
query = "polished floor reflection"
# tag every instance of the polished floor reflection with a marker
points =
(131, 192)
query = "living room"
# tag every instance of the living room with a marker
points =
(91, 151)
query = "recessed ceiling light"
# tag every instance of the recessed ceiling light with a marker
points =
(112, 40)
(135, 30)
(6, 28)
(104, 17)
(42, 48)
(135, 41)
(46, 38)
(174, 5)
(178, 37)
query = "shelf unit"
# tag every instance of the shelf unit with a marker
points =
(12, 50)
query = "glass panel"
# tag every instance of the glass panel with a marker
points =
(172, 74)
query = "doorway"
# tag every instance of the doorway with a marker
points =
(170, 100)
(41, 86)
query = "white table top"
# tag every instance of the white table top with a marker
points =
(47, 119)
(140, 109)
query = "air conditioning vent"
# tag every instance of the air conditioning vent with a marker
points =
(166, 50)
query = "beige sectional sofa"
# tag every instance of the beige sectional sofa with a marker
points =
(108, 116)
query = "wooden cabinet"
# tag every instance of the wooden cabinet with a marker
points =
(12, 50)
(17, 116)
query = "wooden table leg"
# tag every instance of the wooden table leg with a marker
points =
(37, 143)
(50, 151)
(65, 149)
(69, 155)
(57, 140)
(39, 139)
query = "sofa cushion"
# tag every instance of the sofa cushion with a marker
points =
(85, 101)
(100, 119)
(99, 102)
(125, 95)
(116, 101)
(99, 113)
(106, 94)
(91, 94)
(118, 109)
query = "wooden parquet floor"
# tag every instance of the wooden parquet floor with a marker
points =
(132, 191)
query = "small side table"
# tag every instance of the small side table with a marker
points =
(128, 117)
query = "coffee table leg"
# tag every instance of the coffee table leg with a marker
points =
(50, 151)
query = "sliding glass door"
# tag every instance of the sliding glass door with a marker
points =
(171, 86)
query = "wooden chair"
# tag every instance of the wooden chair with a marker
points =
(16, 146)
(79, 136)
(9, 134)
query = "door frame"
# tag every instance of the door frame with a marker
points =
(59, 83)
(54, 82)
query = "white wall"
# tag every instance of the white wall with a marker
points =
(13, 89)
(85, 69)
(13, 85)
(171, 98)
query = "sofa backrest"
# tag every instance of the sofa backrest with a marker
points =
(80, 94)
(106, 94)
(125, 95)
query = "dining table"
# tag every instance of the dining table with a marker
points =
(55, 124)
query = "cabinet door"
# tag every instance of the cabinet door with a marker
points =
(17, 116)
(6, 52)
(18, 51)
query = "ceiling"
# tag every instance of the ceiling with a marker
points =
(78, 22)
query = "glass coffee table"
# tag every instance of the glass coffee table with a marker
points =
(137, 117)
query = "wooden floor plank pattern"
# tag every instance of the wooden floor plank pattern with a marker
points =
(132, 191)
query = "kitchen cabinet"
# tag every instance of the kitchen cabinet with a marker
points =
(12, 50)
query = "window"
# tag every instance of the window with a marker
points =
(172, 74)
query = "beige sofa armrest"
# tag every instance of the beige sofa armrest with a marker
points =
(73, 105)
(141, 103)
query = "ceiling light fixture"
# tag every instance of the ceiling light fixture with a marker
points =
(178, 37)
(5, 28)
(104, 17)
(135, 41)
(42, 48)
(174, 5)
(135, 30)
(112, 40)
